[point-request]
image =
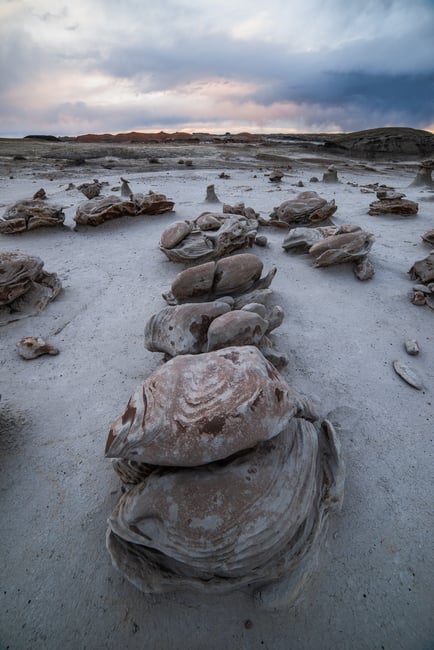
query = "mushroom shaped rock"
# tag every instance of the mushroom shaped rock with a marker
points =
(424, 174)
(392, 203)
(307, 209)
(245, 523)
(196, 409)
(30, 214)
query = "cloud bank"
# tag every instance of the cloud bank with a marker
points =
(112, 65)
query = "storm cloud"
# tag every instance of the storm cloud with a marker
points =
(98, 65)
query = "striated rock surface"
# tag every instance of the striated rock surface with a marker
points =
(25, 287)
(101, 209)
(208, 237)
(307, 209)
(333, 245)
(30, 214)
(391, 202)
(196, 409)
(241, 524)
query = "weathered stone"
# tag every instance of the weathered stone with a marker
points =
(30, 214)
(308, 208)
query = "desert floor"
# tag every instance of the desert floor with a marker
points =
(373, 587)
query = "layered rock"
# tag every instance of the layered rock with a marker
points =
(208, 237)
(25, 287)
(391, 202)
(307, 209)
(228, 480)
(30, 214)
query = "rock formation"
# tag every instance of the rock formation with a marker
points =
(391, 202)
(208, 237)
(25, 287)
(424, 174)
(333, 245)
(307, 209)
(30, 214)
(228, 481)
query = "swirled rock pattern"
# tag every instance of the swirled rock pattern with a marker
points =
(208, 237)
(196, 409)
(249, 509)
(333, 245)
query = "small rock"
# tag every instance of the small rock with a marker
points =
(407, 374)
(412, 347)
(261, 240)
(31, 347)
(211, 196)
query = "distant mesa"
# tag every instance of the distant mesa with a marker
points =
(50, 138)
(135, 136)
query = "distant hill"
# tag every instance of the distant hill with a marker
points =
(386, 142)
(383, 142)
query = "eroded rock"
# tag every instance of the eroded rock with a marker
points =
(31, 347)
(25, 287)
(30, 214)
(307, 209)
(208, 237)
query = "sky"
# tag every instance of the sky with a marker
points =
(110, 66)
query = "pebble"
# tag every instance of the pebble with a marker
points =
(407, 374)
(412, 347)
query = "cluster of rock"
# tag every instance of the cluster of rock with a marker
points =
(335, 245)
(228, 475)
(25, 287)
(98, 210)
(423, 272)
(391, 202)
(37, 212)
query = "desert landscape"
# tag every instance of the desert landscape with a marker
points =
(356, 341)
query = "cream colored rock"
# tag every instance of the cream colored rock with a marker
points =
(31, 347)
(196, 409)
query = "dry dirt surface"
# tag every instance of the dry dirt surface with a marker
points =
(373, 586)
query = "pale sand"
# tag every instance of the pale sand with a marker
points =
(373, 588)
